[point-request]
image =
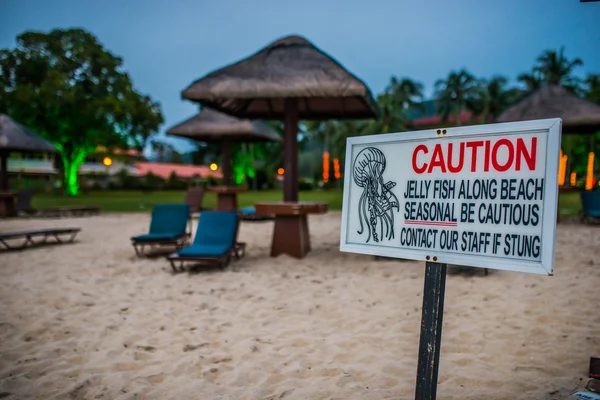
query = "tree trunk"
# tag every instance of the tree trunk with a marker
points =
(70, 184)
(254, 182)
(457, 115)
(71, 162)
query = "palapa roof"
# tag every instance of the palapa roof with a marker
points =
(213, 126)
(17, 137)
(291, 67)
(578, 115)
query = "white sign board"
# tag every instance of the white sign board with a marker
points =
(482, 196)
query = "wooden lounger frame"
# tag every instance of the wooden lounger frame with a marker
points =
(238, 250)
(45, 234)
(178, 242)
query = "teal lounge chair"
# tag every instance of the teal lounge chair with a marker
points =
(215, 241)
(167, 228)
(249, 214)
(590, 202)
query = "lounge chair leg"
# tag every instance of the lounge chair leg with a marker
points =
(58, 239)
(138, 252)
(226, 261)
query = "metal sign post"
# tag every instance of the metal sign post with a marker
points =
(431, 331)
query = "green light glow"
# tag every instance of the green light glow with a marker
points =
(242, 167)
(71, 168)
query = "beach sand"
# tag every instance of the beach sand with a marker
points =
(90, 320)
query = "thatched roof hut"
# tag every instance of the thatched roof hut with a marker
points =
(578, 115)
(16, 137)
(288, 80)
(291, 67)
(213, 126)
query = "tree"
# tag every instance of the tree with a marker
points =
(552, 68)
(495, 97)
(532, 81)
(165, 152)
(65, 85)
(458, 92)
(405, 93)
(398, 97)
(593, 88)
(556, 69)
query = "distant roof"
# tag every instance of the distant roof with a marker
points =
(578, 115)
(291, 67)
(17, 137)
(465, 117)
(213, 126)
(129, 152)
(184, 171)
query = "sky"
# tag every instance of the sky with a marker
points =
(166, 45)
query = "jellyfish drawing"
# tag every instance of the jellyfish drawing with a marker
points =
(377, 202)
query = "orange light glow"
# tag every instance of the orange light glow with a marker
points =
(573, 178)
(280, 171)
(336, 168)
(562, 169)
(107, 161)
(589, 179)
(325, 167)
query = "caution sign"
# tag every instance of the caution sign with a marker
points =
(482, 196)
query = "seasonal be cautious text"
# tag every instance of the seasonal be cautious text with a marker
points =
(452, 214)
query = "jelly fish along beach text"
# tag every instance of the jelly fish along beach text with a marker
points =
(462, 214)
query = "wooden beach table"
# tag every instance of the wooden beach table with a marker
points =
(227, 196)
(290, 235)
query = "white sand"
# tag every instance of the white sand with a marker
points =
(92, 321)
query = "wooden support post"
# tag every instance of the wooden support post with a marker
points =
(431, 331)
(227, 163)
(290, 146)
(3, 170)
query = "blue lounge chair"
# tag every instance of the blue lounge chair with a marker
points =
(249, 214)
(590, 202)
(215, 241)
(168, 227)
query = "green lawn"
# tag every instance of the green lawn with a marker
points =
(130, 201)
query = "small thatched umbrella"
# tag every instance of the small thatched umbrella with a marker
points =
(578, 115)
(16, 137)
(288, 80)
(215, 127)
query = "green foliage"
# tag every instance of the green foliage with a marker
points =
(593, 88)
(460, 91)
(554, 68)
(68, 88)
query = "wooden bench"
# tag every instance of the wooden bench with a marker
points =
(38, 237)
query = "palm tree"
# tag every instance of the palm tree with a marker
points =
(459, 91)
(553, 68)
(391, 119)
(556, 69)
(405, 93)
(495, 97)
(532, 81)
(593, 88)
